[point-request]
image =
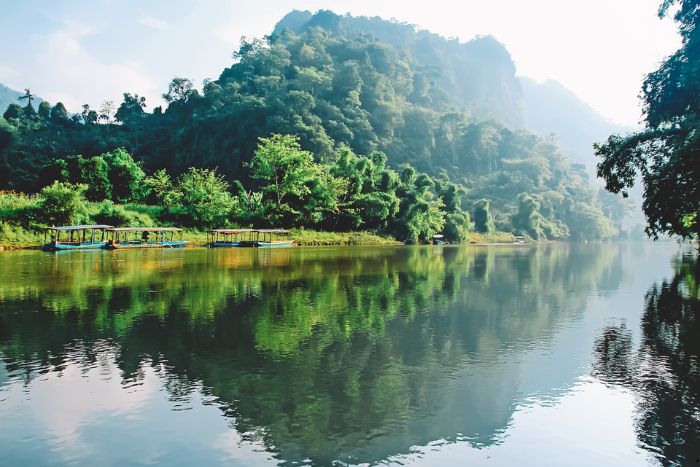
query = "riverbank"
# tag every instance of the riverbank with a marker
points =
(13, 237)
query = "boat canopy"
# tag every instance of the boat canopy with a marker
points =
(80, 227)
(438, 236)
(277, 231)
(230, 231)
(146, 229)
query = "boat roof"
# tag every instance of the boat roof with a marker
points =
(81, 227)
(271, 230)
(438, 236)
(147, 229)
(229, 231)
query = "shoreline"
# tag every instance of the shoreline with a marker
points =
(301, 237)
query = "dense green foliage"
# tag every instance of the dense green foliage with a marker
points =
(666, 152)
(321, 91)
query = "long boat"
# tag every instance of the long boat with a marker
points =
(227, 238)
(76, 237)
(270, 238)
(145, 237)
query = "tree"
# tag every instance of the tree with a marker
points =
(483, 222)
(528, 219)
(179, 91)
(131, 109)
(106, 111)
(13, 112)
(204, 197)
(161, 189)
(284, 168)
(44, 110)
(59, 112)
(89, 117)
(125, 175)
(29, 97)
(665, 153)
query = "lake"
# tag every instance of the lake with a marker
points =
(534, 355)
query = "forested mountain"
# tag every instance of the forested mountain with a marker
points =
(477, 76)
(449, 109)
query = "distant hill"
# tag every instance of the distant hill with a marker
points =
(9, 96)
(549, 107)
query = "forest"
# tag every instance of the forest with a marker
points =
(331, 123)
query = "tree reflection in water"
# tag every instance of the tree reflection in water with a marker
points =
(322, 354)
(664, 372)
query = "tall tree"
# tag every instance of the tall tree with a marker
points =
(666, 153)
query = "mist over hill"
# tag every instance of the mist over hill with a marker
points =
(7, 96)
(552, 108)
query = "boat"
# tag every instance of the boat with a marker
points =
(227, 238)
(76, 237)
(268, 238)
(145, 237)
(438, 240)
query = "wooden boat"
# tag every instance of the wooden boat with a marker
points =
(270, 238)
(438, 240)
(145, 237)
(227, 238)
(76, 237)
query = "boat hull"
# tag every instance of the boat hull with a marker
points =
(259, 244)
(74, 246)
(273, 244)
(129, 246)
(225, 244)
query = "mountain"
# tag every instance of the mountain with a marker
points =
(551, 108)
(10, 96)
(477, 76)
(7, 96)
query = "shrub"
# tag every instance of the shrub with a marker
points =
(62, 203)
(456, 227)
(118, 216)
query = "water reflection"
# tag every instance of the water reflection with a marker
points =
(664, 372)
(316, 355)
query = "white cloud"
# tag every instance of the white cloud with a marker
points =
(153, 23)
(64, 68)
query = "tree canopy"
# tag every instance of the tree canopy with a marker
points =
(665, 154)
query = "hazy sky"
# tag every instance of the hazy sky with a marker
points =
(89, 51)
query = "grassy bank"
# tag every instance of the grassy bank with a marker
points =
(493, 237)
(14, 237)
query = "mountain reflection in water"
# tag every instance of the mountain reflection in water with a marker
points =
(310, 356)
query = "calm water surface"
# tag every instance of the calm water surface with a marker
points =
(542, 355)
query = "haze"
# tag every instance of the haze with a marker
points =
(87, 52)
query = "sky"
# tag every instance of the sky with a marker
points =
(90, 51)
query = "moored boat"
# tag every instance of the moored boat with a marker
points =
(227, 238)
(271, 238)
(145, 237)
(438, 240)
(76, 237)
